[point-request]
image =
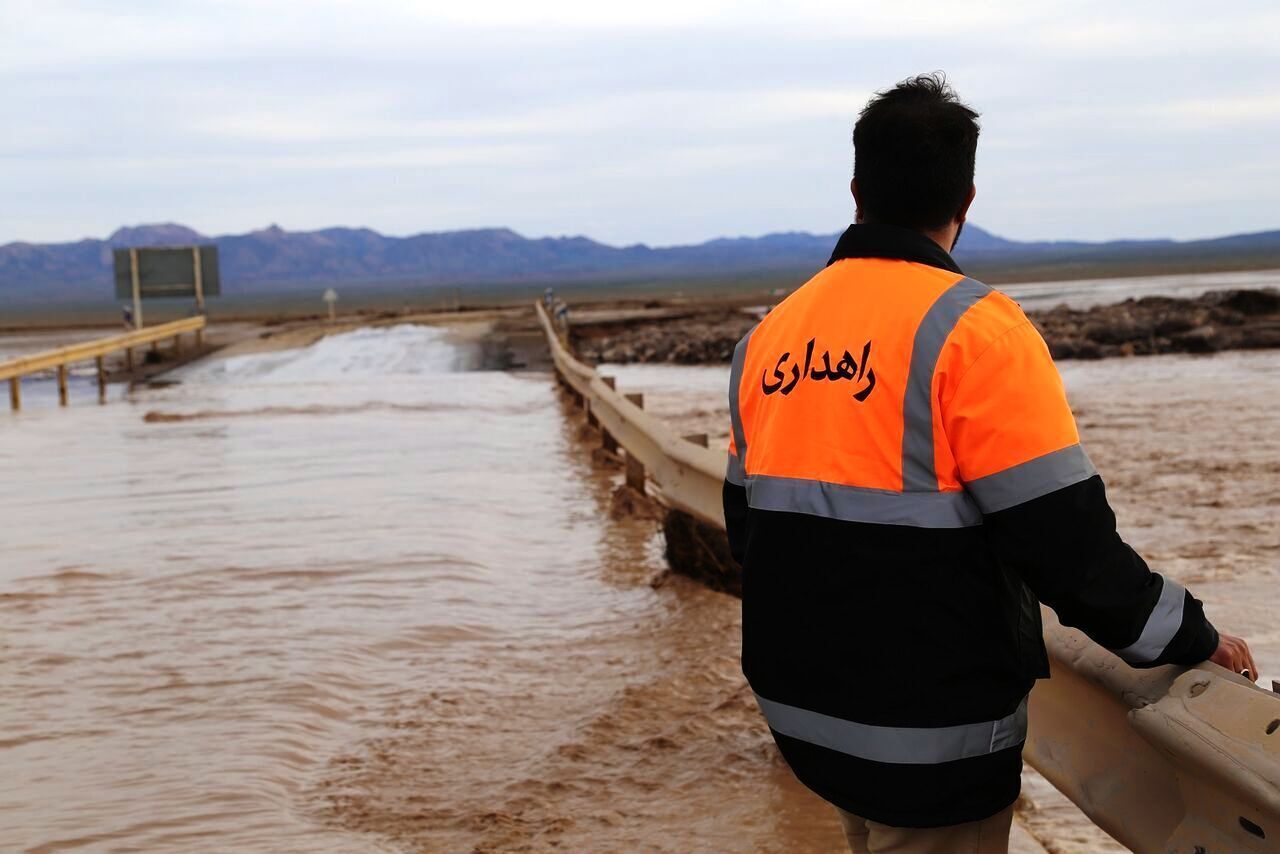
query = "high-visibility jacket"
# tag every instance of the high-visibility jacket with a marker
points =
(905, 481)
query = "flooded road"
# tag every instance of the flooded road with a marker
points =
(360, 596)
(366, 595)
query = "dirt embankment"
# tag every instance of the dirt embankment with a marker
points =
(1223, 320)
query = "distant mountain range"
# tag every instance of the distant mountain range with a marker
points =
(273, 260)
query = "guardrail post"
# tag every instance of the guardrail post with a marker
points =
(102, 380)
(62, 384)
(607, 441)
(635, 468)
(177, 344)
(128, 359)
(15, 393)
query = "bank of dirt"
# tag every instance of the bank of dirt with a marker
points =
(1212, 322)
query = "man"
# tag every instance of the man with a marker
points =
(905, 482)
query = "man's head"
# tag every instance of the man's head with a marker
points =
(914, 148)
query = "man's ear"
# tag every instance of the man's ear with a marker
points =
(964, 208)
(853, 188)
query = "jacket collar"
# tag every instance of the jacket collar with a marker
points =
(874, 240)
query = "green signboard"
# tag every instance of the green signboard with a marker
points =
(178, 271)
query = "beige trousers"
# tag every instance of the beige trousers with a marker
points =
(989, 836)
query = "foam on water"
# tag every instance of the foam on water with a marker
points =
(365, 353)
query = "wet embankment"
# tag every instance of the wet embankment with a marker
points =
(1150, 325)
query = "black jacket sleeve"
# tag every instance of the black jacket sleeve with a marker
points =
(1065, 547)
(735, 519)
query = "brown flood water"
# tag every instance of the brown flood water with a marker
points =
(363, 596)
(358, 597)
(1190, 449)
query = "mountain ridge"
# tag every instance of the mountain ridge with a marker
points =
(275, 260)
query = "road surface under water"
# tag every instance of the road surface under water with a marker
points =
(360, 596)
(368, 596)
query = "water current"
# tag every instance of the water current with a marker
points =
(358, 596)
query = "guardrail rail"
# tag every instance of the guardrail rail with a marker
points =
(15, 369)
(1167, 759)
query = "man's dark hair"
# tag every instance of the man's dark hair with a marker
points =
(914, 147)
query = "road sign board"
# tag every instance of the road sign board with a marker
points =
(168, 271)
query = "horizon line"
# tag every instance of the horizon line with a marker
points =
(582, 236)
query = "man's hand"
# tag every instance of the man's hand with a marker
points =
(1233, 654)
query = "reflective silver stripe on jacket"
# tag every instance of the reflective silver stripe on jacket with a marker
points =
(919, 473)
(893, 744)
(733, 471)
(861, 504)
(1032, 479)
(735, 387)
(1162, 625)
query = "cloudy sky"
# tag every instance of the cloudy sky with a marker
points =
(658, 122)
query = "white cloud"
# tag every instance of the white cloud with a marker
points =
(661, 121)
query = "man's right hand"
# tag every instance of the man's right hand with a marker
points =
(1233, 653)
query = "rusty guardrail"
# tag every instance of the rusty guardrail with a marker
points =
(1168, 759)
(15, 369)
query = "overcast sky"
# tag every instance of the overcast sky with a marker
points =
(658, 122)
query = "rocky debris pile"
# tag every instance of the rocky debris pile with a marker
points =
(705, 338)
(1223, 320)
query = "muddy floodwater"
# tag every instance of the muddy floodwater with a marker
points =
(368, 596)
(360, 596)
(1189, 447)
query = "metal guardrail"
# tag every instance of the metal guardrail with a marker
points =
(1168, 759)
(15, 369)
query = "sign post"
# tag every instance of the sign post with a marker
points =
(137, 289)
(331, 297)
(197, 266)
